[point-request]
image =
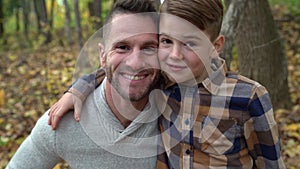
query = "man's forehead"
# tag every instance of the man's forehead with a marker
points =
(133, 24)
(127, 26)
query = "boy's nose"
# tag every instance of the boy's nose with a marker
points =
(176, 52)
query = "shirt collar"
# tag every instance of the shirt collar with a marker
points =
(216, 79)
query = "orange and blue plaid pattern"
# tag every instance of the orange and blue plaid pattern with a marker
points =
(226, 122)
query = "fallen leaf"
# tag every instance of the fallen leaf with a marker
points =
(2, 98)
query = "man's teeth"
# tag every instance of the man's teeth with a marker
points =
(134, 77)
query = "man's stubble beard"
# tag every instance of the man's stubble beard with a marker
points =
(113, 80)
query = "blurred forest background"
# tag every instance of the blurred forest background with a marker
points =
(40, 41)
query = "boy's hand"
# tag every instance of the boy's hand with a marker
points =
(65, 104)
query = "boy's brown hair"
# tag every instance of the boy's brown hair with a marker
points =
(207, 15)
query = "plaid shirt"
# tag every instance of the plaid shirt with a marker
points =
(225, 122)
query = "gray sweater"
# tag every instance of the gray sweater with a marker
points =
(98, 141)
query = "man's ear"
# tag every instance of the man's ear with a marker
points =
(101, 55)
(219, 43)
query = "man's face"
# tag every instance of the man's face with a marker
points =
(131, 57)
(184, 50)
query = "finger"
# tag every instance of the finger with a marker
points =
(56, 118)
(52, 108)
(51, 112)
(77, 116)
(77, 110)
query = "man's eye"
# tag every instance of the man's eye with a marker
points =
(150, 50)
(122, 48)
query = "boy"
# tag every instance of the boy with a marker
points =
(210, 118)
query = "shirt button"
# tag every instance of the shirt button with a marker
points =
(186, 121)
(188, 152)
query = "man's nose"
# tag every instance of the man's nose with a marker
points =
(135, 60)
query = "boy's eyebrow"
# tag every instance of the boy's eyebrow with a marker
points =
(183, 36)
(163, 34)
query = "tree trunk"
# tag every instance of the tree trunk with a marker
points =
(98, 14)
(67, 22)
(78, 24)
(42, 19)
(157, 2)
(1, 20)
(230, 24)
(261, 52)
(25, 7)
(16, 11)
(95, 10)
(51, 13)
(227, 3)
(39, 28)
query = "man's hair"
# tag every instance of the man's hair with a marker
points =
(141, 7)
(207, 15)
(131, 7)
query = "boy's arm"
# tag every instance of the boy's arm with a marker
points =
(75, 96)
(261, 132)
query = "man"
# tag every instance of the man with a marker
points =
(107, 137)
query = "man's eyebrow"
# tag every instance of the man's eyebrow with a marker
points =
(151, 42)
(124, 42)
(121, 41)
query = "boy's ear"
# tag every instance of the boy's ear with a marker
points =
(219, 43)
(101, 55)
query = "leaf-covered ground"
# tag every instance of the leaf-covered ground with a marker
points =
(289, 120)
(32, 80)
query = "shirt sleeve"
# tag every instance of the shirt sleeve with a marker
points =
(38, 149)
(87, 83)
(261, 131)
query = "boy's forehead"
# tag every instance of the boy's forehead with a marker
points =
(179, 28)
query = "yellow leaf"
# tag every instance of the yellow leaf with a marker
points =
(31, 113)
(2, 98)
(1, 121)
(12, 57)
(57, 166)
(292, 127)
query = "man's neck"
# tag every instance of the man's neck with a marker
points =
(124, 109)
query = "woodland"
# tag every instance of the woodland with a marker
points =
(40, 41)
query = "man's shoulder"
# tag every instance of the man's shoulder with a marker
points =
(42, 129)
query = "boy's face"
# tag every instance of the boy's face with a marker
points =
(131, 56)
(185, 52)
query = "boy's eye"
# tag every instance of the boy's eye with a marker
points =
(190, 44)
(165, 41)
